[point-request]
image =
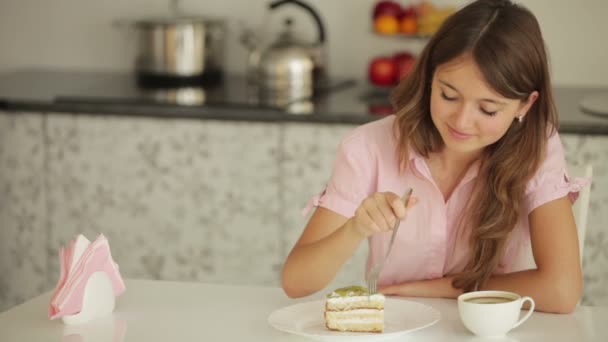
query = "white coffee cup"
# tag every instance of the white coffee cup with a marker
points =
(492, 313)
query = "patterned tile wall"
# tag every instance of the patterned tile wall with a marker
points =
(189, 199)
(178, 199)
(593, 150)
(307, 154)
(23, 232)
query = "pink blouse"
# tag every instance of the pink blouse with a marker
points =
(428, 244)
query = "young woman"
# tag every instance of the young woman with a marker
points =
(475, 136)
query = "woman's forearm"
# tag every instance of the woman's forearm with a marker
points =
(551, 292)
(555, 293)
(310, 267)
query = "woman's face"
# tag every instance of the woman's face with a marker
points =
(467, 112)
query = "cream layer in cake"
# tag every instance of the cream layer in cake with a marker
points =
(353, 309)
(359, 320)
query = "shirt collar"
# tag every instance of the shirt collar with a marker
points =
(419, 162)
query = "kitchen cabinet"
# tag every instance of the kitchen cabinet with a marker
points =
(307, 154)
(178, 199)
(23, 230)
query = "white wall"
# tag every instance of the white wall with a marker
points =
(78, 34)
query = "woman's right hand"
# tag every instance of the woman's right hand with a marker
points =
(379, 213)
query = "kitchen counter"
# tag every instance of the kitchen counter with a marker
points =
(343, 102)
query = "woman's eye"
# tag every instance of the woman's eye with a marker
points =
(445, 97)
(488, 112)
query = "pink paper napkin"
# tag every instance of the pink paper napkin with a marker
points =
(78, 262)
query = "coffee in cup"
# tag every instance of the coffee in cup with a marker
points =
(489, 300)
(492, 313)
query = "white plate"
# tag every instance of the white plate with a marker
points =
(307, 319)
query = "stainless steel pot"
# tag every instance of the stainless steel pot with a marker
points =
(180, 47)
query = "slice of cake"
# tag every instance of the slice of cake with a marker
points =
(353, 309)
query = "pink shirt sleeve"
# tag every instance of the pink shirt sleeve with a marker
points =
(352, 178)
(551, 181)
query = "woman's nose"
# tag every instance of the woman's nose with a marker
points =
(463, 117)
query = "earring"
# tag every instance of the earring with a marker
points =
(520, 118)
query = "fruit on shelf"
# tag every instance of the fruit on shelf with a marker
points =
(410, 11)
(424, 18)
(386, 17)
(408, 21)
(386, 24)
(425, 7)
(390, 8)
(408, 26)
(387, 71)
(431, 17)
(405, 62)
(383, 71)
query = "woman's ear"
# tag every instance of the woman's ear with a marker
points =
(527, 104)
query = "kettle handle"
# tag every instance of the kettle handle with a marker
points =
(320, 27)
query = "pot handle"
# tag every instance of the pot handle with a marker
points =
(320, 27)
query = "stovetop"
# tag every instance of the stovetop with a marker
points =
(230, 90)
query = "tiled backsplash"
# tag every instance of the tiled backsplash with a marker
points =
(196, 200)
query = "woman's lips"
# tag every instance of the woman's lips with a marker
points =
(457, 134)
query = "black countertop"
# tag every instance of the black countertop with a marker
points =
(346, 102)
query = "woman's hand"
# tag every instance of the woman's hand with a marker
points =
(432, 288)
(379, 213)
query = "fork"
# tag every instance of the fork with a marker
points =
(372, 276)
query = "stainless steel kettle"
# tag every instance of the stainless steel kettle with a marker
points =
(288, 69)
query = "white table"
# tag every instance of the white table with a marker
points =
(171, 311)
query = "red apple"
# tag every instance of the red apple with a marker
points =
(387, 7)
(405, 62)
(383, 71)
(407, 12)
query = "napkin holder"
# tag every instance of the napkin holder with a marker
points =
(98, 300)
(107, 329)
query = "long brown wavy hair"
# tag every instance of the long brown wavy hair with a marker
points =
(505, 41)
